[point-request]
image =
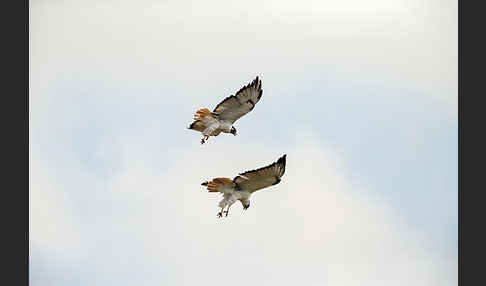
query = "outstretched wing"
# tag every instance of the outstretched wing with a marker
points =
(261, 178)
(235, 106)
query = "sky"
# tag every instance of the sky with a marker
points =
(361, 96)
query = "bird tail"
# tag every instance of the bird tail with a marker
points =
(192, 125)
(201, 113)
(210, 186)
(218, 184)
(197, 125)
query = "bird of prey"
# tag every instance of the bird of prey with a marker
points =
(245, 184)
(229, 110)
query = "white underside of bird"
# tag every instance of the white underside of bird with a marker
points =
(233, 107)
(229, 198)
(245, 184)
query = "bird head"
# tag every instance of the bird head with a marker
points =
(233, 130)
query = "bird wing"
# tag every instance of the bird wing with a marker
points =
(235, 106)
(255, 180)
(222, 185)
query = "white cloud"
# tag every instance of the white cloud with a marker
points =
(403, 44)
(52, 225)
(316, 227)
(99, 76)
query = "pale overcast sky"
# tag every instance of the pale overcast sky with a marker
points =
(360, 95)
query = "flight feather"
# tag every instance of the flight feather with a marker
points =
(235, 106)
(263, 177)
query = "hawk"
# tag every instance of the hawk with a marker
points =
(245, 184)
(229, 110)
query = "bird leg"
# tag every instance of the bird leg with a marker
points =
(204, 139)
(220, 214)
(227, 210)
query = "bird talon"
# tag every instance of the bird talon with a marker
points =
(220, 214)
(202, 141)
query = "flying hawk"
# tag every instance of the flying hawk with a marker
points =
(245, 184)
(227, 111)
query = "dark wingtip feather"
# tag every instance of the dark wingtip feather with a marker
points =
(205, 183)
(282, 161)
